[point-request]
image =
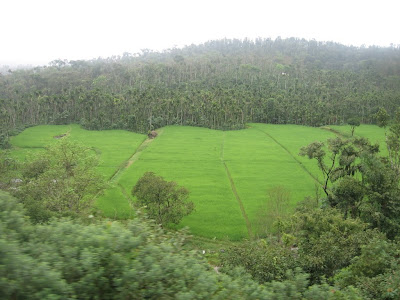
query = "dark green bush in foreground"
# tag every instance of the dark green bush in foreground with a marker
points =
(108, 260)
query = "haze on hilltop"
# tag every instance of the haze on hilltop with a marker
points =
(38, 32)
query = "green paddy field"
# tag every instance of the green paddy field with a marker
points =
(228, 173)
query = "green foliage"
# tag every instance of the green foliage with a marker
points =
(341, 159)
(375, 272)
(347, 196)
(21, 275)
(382, 117)
(326, 241)
(381, 206)
(297, 287)
(163, 201)
(8, 170)
(264, 260)
(374, 197)
(393, 146)
(63, 180)
(220, 84)
(108, 260)
(275, 209)
(4, 141)
(112, 147)
(65, 259)
(320, 241)
(353, 122)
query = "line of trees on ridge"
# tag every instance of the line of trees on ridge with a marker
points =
(219, 84)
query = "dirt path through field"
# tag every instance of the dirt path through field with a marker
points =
(134, 157)
(339, 134)
(233, 187)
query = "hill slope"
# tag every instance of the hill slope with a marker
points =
(221, 84)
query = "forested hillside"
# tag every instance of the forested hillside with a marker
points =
(219, 84)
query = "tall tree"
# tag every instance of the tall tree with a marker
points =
(353, 122)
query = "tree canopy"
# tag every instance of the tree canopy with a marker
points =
(62, 180)
(164, 201)
(220, 84)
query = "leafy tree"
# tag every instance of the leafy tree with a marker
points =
(347, 196)
(319, 241)
(393, 144)
(63, 180)
(342, 160)
(316, 151)
(353, 122)
(265, 260)
(8, 170)
(326, 241)
(381, 205)
(4, 141)
(375, 271)
(382, 117)
(373, 196)
(164, 201)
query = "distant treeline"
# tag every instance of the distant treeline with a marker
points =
(219, 84)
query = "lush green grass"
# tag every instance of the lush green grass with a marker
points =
(40, 136)
(113, 146)
(374, 133)
(115, 204)
(258, 158)
(34, 139)
(192, 157)
(293, 137)
(266, 156)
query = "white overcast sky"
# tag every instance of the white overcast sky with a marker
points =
(39, 31)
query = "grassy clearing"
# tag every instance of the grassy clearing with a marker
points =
(293, 137)
(191, 157)
(374, 133)
(115, 204)
(34, 139)
(39, 136)
(114, 147)
(258, 163)
(194, 157)
(258, 159)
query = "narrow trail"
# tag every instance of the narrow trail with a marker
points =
(134, 157)
(124, 192)
(291, 155)
(338, 133)
(126, 164)
(233, 187)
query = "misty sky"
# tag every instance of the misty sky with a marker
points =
(39, 31)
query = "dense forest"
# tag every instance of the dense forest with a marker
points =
(219, 84)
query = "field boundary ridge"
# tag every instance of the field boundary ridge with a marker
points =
(291, 155)
(233, 187)
(134, 157)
